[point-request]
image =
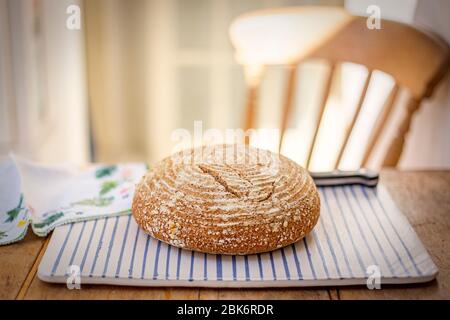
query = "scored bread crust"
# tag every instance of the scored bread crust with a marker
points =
(227, 199)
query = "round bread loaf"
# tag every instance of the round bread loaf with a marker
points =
(227, 199)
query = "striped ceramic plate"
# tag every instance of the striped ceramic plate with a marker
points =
(361, 234)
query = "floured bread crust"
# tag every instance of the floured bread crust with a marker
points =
(227, 199)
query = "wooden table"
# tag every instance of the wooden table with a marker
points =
(424, 197)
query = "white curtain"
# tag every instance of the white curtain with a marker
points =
(43, 101)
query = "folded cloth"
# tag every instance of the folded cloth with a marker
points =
(49, 196)
(13, 211)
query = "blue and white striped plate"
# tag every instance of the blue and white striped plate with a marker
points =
(358, 228)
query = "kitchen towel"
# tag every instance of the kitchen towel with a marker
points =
(49, 196)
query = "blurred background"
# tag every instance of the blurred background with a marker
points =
(116, 88)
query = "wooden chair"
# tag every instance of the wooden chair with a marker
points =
(417, 60)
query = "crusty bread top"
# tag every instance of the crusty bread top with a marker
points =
(227, 199)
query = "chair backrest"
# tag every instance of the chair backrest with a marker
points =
(417, 60)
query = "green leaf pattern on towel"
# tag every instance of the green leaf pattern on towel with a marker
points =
(49, 220)
(100, 201)
(105, 171)
(111, 183)
(14, 213)
(96, 202)
(107, 186)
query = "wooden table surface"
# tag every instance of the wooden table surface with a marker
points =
(424, 197)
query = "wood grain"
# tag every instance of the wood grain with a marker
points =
(424, 197)
(16, 260)
(34, 268)
(264, 293)
(394, 49)
(51, 291)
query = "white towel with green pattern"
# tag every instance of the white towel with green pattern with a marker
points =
(49, 196)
